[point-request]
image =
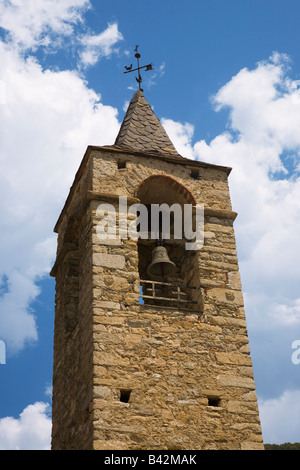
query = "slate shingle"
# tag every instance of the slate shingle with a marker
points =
(142, 130)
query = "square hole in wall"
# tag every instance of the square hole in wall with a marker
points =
(195, 174)
(125, 395)
(214, 401)
(121, 164)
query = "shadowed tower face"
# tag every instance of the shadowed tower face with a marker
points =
(150, 348)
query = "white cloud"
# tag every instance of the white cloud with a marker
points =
(48, 119)
(125, 106)
(49, 390)
(181, 136)
(280, 417)
(17, 322)
(100, 45)
(32, 23)
(286, 314)
(264, 106)
(32, 431)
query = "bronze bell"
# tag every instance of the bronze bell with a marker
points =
(161, 266)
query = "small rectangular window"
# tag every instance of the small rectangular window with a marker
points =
(121, 164)
(195, 174)
(125, 395)
(214, 401)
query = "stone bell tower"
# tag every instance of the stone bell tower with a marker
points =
(145, 358)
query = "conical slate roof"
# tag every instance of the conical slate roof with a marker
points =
(142, 130)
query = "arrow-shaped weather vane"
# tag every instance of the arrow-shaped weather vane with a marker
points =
(130, 69)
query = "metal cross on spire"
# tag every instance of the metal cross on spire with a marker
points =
(130, 69)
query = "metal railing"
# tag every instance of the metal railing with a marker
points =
(165, 291)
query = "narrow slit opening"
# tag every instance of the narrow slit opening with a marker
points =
(125, 395)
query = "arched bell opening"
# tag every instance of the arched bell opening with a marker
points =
(168, 271)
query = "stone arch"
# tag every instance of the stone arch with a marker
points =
(158, 188)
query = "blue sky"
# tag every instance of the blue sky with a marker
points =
(225, 85)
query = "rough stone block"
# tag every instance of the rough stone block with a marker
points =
(109, 261)
(235, 381)
(101, 392)
(105, 304)
(234, 358)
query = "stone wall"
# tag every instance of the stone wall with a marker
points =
(134, 376)
(73, 332)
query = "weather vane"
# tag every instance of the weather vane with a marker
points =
(130, 69)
